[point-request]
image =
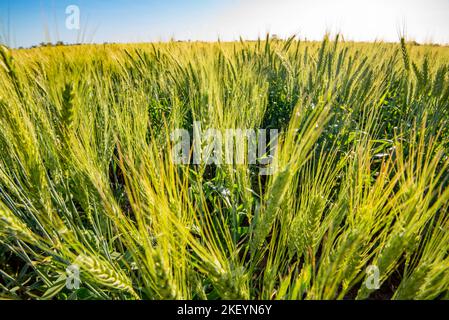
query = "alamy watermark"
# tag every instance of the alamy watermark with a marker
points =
(229, 146)
(72, 281)
(372, 279)
(72, 21)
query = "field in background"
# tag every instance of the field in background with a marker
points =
(87, 176)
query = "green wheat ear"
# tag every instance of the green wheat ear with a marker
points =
(439, 81)
(8, 65)
(268, 217)
(67, 112)
(7, 60)
(12, 226)
(405, 55)
(103, 273)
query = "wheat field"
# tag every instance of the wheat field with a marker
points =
(361, 178)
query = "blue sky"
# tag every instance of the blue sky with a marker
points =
(28, 22)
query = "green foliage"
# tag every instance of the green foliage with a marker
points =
(87, 177)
